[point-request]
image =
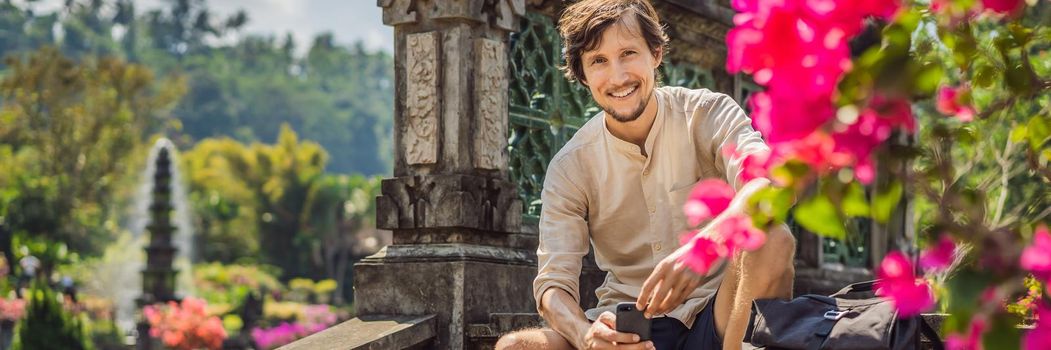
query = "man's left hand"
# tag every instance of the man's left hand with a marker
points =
(670, 283)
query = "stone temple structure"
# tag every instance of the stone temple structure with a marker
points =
(480, 109)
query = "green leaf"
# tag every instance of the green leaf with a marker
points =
(967, 134)
(772, 204)
(928, 79)
(984, 76)
(885, 202)
(790, 171)
(1018, 79)
(1018, 133)
(1038, 130)
(818, 215)
(854, 201)
(1020, 33)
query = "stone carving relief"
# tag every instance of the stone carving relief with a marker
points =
(420, 136)
(507, 11)
(397, 12)
(453, 200)
(490, 88)
(500, 14)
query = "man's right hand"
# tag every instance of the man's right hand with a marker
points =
(603, 335)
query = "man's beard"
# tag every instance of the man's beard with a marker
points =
(633, 115)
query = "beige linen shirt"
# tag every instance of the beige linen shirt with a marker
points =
(601, 188)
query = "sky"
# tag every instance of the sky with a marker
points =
(348, 20)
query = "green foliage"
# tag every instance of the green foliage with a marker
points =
(819, 215)
(305, 221)
(226, 286)
(245, 88)
(69, 132)
(47, 325)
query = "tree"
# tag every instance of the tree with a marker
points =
(47, 325)
(70, 131)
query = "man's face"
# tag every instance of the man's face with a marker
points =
(620, 70)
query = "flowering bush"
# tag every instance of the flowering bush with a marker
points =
(185, 326)
(970, 80)
(12, 309)
(313, 319)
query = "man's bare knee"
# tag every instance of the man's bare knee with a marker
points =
(780, 247)
(776, 259)
(512, 341)
(537, 338)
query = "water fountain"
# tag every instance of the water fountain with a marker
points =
(166, 214)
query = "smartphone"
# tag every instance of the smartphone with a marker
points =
(631, 320)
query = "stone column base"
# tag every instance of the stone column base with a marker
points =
(460, 284)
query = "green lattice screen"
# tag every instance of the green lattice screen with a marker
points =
(546, 110)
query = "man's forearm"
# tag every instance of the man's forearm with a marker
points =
(564, 316)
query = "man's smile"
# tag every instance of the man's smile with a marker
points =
(625, 92)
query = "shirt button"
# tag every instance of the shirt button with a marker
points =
(646, 173)
(657, 247)
(652, 210)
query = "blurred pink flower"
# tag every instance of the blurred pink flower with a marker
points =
(785, 48)
(185, 325)
(738, 233)
(12, 309)
(949, 103)
(703, 255)
(1037, 257)
(873, 126)
(972, 340)
(269, 338)
(817, 150)
(938, 257)
(756, 165)
(785, 118)
(897, 281)
(318, 317)
(1039, 338)
(1003, 6)
(708, 199)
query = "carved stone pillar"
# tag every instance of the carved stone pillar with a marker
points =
(454, 213)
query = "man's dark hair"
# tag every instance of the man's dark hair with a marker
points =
(582, 24)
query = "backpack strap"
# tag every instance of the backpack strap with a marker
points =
(859, 287)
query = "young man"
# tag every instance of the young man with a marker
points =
(620, 183)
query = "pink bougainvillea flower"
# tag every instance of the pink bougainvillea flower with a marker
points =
(848, 15)
(738, 233)
(754, 165)
(938, 257)
(1003, 6)
(1039, 338)
(704, 254)
(970, 341)
(788, 118)
(817, 151)
(873, 126)
(897, 281)
(786, 49)
(949, 103)
(989, 295)
(1037, 257)
(708, 199)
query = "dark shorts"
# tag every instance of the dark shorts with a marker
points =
(670, 334)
